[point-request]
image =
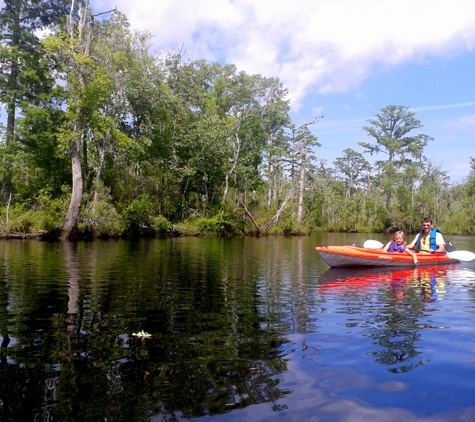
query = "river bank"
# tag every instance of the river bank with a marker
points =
(55, 235)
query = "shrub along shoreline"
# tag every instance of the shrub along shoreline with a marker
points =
(145, 232)
(41, 226)
(44, 220)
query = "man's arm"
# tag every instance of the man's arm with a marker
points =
(413, 243)
(440, 242)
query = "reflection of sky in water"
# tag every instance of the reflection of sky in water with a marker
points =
(329, 393)
(415, 340)
(382, 346)
(260, 325)
(378, 357)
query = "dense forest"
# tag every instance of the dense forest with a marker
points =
(103, 138)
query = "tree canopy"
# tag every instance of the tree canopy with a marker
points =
(104, 138)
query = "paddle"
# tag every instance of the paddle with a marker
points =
(459, 255)
(372, 244)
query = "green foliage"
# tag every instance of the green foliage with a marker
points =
(51, 212)
(162, 225)
(162, 141)
(41, 215)
(390, 131)
(217, 226)
(459, 223)
(22, 222)
(138, 216)
(288, 225)
(101, 219)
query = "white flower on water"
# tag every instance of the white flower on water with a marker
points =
(142, 334)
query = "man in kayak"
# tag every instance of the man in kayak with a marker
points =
(429, 239)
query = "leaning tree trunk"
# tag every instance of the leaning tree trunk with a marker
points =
(70, 223)
(69, 228)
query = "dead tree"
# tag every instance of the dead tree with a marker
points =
(302, 149)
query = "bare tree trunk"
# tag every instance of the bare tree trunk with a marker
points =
(273, 220)
(230, 172)
(302, 148)
(278, 183)
(10, 135)
(11, 108)
(256, 225)
(102, 154)
(70, 223)
(277, 215)
(303, 168)
(7, 218)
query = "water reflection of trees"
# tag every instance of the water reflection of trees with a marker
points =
(4, 288)
(73, 356)
(398, 348)
(395, 323)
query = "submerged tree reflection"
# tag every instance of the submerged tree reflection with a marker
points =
(73, 357)
(398, 347)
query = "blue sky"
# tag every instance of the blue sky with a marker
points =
(349, 57)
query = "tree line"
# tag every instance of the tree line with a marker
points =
(104, 138)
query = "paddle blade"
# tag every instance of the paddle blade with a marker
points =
(461, 255)
(372, 244)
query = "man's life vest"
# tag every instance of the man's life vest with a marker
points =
(432, 235)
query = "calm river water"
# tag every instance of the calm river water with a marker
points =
(241, 329)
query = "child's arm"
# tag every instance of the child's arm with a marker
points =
(414, 256)
(386, 247)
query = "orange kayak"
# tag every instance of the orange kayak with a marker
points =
(353, 256)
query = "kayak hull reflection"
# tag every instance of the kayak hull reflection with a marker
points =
(353, 256)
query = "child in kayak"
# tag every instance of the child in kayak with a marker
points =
(398, 244)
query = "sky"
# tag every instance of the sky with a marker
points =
(347, 58)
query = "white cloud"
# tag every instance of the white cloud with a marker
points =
(325, 46)
(465, 124)
(443, 107)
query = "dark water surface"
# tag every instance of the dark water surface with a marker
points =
(241, 329)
